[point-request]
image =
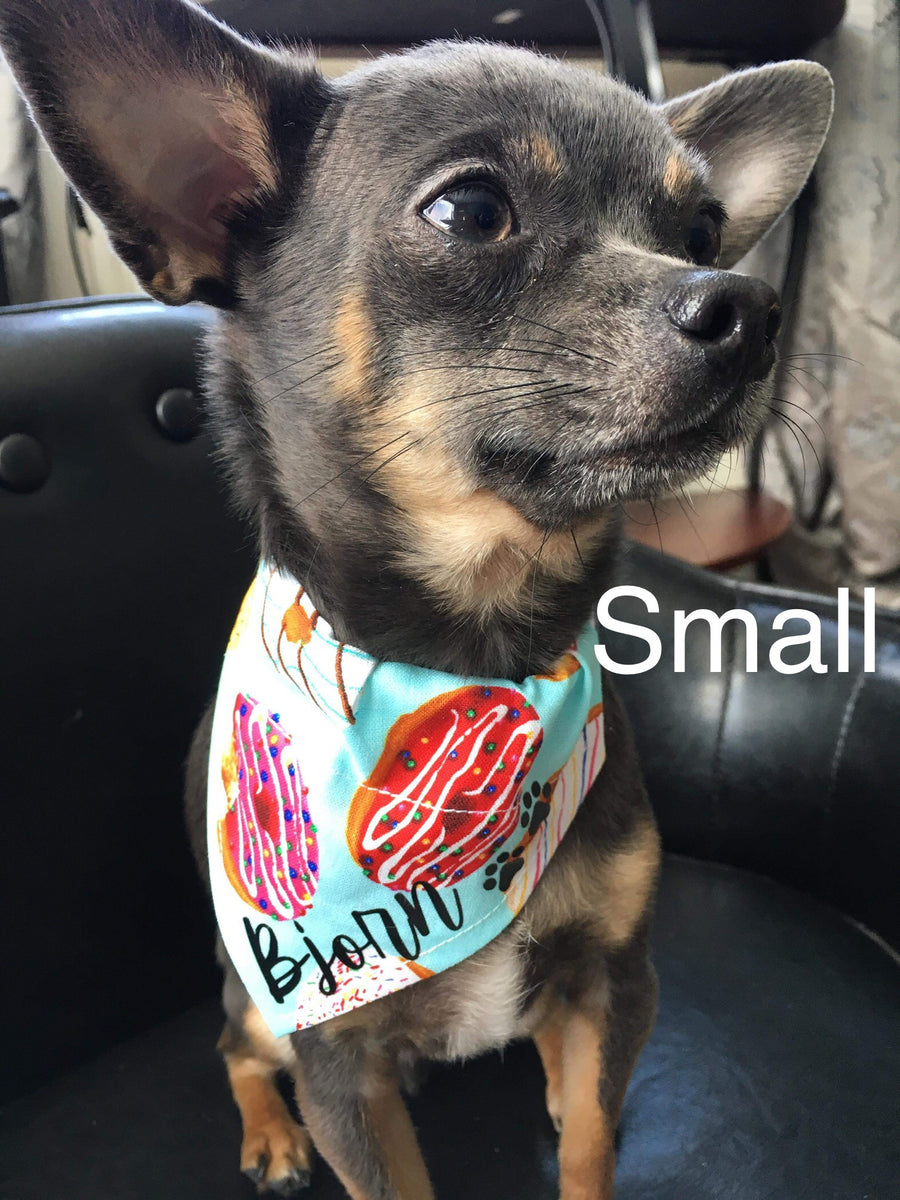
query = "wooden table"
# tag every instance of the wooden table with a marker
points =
(721, 530)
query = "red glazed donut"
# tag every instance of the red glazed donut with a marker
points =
(444, 795)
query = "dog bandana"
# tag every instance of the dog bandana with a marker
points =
(372, 823)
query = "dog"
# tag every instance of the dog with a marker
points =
(471, 301)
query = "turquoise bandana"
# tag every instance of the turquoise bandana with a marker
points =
(371, 823)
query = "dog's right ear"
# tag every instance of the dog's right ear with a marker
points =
(165, 121)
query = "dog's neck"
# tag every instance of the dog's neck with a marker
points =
(375, 601)
(440, 575)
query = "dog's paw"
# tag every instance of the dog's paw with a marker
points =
(278, 1157)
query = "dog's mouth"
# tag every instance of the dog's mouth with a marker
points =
(583, 471)
(686, 438)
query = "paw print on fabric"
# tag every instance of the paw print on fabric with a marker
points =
(535, 805)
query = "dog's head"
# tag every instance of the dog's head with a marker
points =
(472, 295)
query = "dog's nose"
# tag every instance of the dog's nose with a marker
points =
(734, 319)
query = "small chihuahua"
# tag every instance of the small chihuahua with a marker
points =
(471, 301)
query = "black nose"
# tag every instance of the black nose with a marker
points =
(734, 319)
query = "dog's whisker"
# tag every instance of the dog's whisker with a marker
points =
(289, 366)
(300, 383)
(506, 387)
(686, 515)
(797, 431)
(577, 549)
(658, 529)
(465, 419)
(522, 403)
(560, 333)
(478, 366)
(537, 563)
(798, 486)
(805, 411)
(791, 368)
(564, 347)
(452, 421)
(795, 424)
(492, 350)
(544, 448)
(823, 354)
(391, 458)
(359, 486)
(353, 466)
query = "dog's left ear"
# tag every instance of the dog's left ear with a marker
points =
(173, 128)
(760, 131)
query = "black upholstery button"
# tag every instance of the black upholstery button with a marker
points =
(24, 466)
(178, 413)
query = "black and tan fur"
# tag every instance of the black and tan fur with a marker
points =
(435, 436)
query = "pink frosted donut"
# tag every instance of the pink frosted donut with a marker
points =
(267, 839)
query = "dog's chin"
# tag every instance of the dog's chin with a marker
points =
(562, 486)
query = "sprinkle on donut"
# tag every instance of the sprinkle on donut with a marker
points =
(445, 793)
(268, 838)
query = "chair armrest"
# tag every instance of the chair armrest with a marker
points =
(794, 776)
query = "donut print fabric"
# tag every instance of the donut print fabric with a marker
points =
(444, 795)
(267, 839)
(371, 823)
(352, 987)
(549, 811)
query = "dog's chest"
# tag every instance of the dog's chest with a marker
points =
(481, 1000)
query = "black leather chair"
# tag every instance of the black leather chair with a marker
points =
(733, 31)
(774, 1070)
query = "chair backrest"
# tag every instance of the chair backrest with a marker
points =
(738, 31)
(120, 574)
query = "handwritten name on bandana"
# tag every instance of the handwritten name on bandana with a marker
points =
(372, 823)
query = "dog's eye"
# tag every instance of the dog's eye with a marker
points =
(703, 240)
(475, 212)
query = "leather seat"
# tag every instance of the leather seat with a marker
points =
(769, 1076)
(774, 1069)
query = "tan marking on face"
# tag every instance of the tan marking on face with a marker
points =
(472, 550)
(478, 555)
(539, 149)
(354, 342)
(678, 176)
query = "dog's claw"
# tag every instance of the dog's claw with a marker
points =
(296, 1181)
(257, 1173)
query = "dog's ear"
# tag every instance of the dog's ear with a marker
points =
(165, 121)
(760, 131)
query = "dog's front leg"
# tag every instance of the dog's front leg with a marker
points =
(588, 1049)
(570, 1043)
(275, 1151)
(351, 1104)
